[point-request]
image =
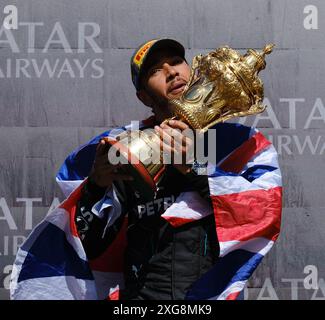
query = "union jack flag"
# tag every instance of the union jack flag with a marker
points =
(246, 193)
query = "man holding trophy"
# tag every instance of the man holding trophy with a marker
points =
(173, 232)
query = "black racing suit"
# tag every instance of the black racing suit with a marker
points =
(161, 261)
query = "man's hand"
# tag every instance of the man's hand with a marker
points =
(177, 139)
(103, 173)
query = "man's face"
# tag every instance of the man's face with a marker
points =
(164, 79)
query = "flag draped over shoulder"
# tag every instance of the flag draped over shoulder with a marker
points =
(246, 193)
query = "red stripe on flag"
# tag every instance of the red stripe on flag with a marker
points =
(112, 260)
(73, 227)
(114, 296)
(239, 157)
(249, 214)
(233, 296)
(177, 221)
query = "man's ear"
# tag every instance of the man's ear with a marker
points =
(144, 98)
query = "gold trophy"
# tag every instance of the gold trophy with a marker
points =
(223, 84)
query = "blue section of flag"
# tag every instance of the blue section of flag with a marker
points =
(236, 266)
(220, 173)
(47, 260)
(229, 136)
(250, 174)
(257, 171)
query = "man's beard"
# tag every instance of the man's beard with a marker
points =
(162, 104)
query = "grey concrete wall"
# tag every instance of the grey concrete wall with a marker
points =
(43, 118)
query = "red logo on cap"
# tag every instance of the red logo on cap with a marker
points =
(142, 51)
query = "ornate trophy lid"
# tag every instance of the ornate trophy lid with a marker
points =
(248, 69)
